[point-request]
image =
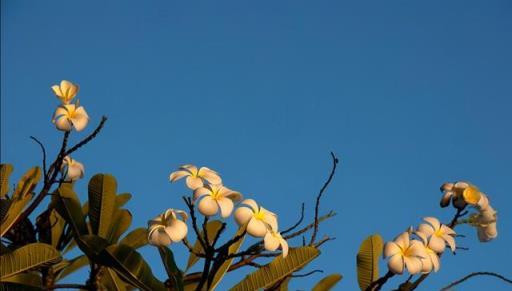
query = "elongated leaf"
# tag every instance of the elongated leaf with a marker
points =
(127, 262)
(102, 197)
(136, 238)
(368, 260)
(212, 228)
(173, 272)
(66, 203)
(278, 269)
(328, 282)
(14, 211)
(121, 200)
(122, 219)
(26, 258)
(73, 265)
(5, 173)
(57, 223)
(223, 269)
(28, 279)
(111, 281)
(27, 183)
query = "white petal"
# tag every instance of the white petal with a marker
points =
(427, 265)
(175, 176)
(396, 264)
(243, 215)
(208, 206)
(75, 172)
(437, 244)
(445, 201)
(177, 230)
(183, 214)
(251, 203)
(209, 175)
(193, 182)
(417, 249)
(80, 121)
(433, 221)
(256, 228)
(159, 237)
(270, 219)
(391, 249)
(201, 191)
(284, 247)
(435, 261)
(271, 242)
(483, 203)
(403, 240)
(426, 229)
(413, 265)
(226, 206)
(63, 123)
(450, 241)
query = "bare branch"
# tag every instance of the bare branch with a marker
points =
(465, 278)
(297, 223)
(319, 196)
(310, 226)
(44, 156)
(307, 274)
(88, 138)
(190, 205)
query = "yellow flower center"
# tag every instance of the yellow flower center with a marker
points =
(471, 195)
(215, 194)
(260, 215)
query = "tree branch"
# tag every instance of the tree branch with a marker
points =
(319, 196)
(465, 278)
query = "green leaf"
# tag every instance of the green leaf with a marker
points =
(102, 197)
(278, 269)
(57, 223)
(26, 258)
(328, 282)
(72, 266)
(5, 173)
(14, 211)
(127, 262)
(223, 269)
(212, 228)
(111, 281)
(123, 220)
(27, 183)
(173, 272)
(66, 203)
(122, 199)
(368, 260)
(136, 238)
(28, 279)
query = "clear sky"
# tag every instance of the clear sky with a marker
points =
(409, 94)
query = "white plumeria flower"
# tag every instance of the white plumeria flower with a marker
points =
(66, 91)
(214, 197)
(438, 234)
(70, 116)
(72, 169)
(195, 177)
(273, 240)
(168, 228)
(486, 224)
(259, 220)
(431, 261)
(404, 253)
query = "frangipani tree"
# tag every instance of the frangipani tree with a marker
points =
(35, 253)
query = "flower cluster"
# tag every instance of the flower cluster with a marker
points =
(67, 116)
(420, 255)
(463, 194)
(212, 198)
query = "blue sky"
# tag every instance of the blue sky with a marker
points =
(409, 94)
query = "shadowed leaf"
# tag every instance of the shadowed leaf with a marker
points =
(26, 258)
(368, 260)
(102, 197)
(328, 282)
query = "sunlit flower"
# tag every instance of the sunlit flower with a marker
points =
(405, 253)
(460, 194)
(258, 219)
(195, 177)
(168, 228)
(438, 234)
(68, 116)
(486, 224)
(214, 197)
(273, 240)
(431, 261)
(72, 169)
(66, 91)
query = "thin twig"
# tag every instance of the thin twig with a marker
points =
(88, 138)
(319, 196)
(190, 205)
(297, 223)
(44, 156)
(476, 274)
(310, 226)
(307, 274)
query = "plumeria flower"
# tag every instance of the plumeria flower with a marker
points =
(70, 116)
(486, 224)
(214, 197)
(66, 91)
(273, 240)
(168, 228)
(195, 177)
(72, 169)
(405, 253)
(438, 234)
(431, 261)
(460, 194)
(259, 220)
